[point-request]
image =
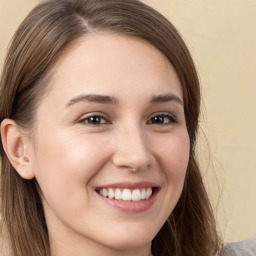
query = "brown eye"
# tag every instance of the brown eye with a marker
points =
(94, 120)
(162, 119)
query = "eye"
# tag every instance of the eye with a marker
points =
(94, 120)
(162, 119)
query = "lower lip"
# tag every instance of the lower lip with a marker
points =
(130, 206)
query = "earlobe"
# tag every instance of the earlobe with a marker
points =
(15, 144)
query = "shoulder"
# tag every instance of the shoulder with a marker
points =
(243, 248)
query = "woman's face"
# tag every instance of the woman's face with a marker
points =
(110, 131)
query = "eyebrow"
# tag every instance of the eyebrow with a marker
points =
(166, 98)
(102, 99)
(105, 99)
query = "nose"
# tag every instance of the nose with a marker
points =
(132, 151)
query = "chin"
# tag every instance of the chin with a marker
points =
(130, 243)
(131, 239)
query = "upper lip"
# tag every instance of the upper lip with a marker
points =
(130, 185)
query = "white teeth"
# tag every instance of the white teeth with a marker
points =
(105, 193)
(148, 193)
(126, 194)
(143, 193)
(118, 194)
(111, 193)
(136, 196)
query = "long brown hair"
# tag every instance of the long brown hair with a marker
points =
(40, 40)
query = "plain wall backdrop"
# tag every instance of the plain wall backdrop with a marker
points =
(221, 35)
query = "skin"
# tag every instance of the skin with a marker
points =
(71, 157)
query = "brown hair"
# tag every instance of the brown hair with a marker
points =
(40, 40)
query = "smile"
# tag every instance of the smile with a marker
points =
(129, 197)
(126, 194)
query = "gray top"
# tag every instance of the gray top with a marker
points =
(243, 248)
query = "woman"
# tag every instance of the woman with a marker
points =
(99, 116)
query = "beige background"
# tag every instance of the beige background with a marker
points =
(221, 35)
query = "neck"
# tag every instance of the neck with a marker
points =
(82, 247)
(64, 251)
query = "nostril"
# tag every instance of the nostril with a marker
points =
(132, 162)
(133, 169)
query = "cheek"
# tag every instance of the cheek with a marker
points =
(174, 163)
(174, 154)
(65, 162)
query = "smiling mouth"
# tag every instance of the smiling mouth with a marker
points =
(125, 194)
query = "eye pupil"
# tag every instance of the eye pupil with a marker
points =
(94, 120)
(158, 119)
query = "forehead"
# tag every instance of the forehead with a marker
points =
(113, 64)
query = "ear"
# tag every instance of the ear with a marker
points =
(15, 145)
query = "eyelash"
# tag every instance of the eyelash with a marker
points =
(172, 119)
(97, 119)
(94, 116)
